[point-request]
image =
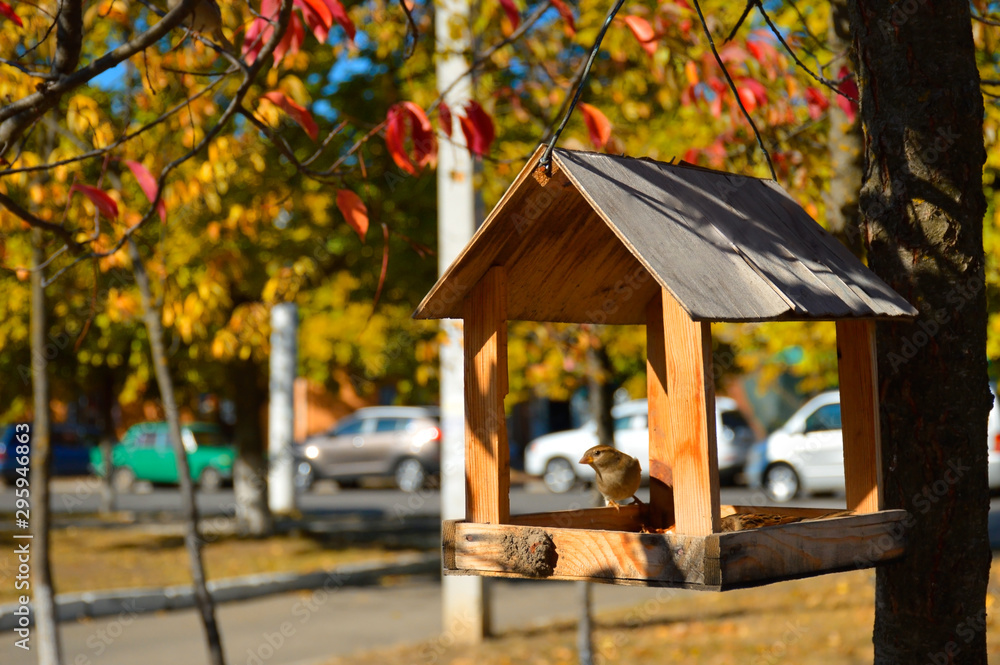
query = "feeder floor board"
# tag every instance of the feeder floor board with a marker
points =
(604, 545)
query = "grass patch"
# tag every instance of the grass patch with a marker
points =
(93, 559)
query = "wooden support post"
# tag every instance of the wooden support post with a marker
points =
(859, 415)
(487, 459)
(691, 418)
(661, 484)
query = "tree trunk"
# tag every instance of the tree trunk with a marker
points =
(253, 516)
(844, 143)
(192, 539)
(43, 591)
(922, 206)
(107, 441)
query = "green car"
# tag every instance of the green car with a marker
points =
(144, 453)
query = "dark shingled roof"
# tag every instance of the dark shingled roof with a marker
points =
(596, 241)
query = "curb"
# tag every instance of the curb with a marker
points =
(92, 604)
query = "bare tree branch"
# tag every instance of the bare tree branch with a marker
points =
(36, 222)
(97, 152)
(17, 116)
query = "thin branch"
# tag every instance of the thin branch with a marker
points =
(25, 70)
(412, 34)
(832, 85)
(732, 86)
(985, 19)
(746, 12)
(48, 31)
(326, 142)
(32, 220)
(805, 24)
(486, 55)
(97, 152)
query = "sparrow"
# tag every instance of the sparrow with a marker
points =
(618, 474)
(206, 19)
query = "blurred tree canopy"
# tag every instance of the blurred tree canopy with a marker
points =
(253, 154)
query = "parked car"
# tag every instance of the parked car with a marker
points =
(71, 446)
(993, 441)
(803, 456)
(145, 453)
(555, 457)
(806, 454)
(398, 442)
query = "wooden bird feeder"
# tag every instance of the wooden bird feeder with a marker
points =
(615, 240)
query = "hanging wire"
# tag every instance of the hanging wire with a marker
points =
(546, 159)
(732, 86)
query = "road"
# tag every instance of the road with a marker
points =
(81, 496)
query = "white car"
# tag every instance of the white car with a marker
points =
(556, 457)
(806, 454)
(803, 456)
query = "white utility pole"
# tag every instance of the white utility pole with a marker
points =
(465, 603)
(281, 410)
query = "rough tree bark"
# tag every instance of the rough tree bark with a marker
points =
(253, 516)
(922, 209)
(192, 538)
(42, 589)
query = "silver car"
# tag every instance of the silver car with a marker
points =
(398, 442)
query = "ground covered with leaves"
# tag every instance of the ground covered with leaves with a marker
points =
(823, 621)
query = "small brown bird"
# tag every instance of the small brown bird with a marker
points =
(618, 474)
(205, 19)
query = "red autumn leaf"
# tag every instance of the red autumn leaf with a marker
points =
(354, 211)
(510, 9)
(421, 135)
(106, 205)
(292, 41)
(848, 86)
(757, 89)
(762, 49)
(643, 31)
(747, 97)
(732, 53)
(8, 11)
(317, 7)
(816, 102)
(477, 126)
(598, 125)
(444, 119)
(317, 16)
(260, 31)
(566, 14)
(148, 185)
(340, 16)
(299, 114)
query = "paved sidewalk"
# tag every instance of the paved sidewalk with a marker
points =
(92, 604)
(308, 627)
